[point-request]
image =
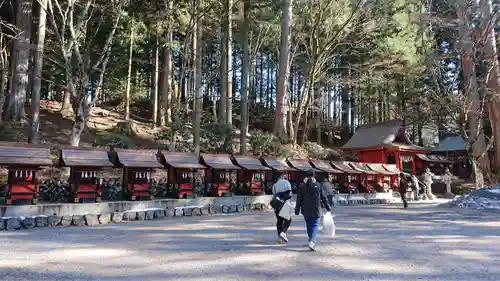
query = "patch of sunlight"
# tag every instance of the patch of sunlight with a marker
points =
(473, 255)
(89, 253)
(382, 266)
(64, 255)
(253, 259)
(456, 239)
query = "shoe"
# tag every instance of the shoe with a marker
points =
(312, 246)
(284, 237)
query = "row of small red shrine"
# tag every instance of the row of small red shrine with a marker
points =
(253, 173)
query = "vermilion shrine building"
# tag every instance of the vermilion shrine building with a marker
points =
(387, 143)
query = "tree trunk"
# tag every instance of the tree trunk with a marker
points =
(197, 47)
(245, 77)
(491, 59)
(129, 74)
(223, 65)
(66, 108)
(229, 62)
(4, 78)
(283, 69)
(167, 72)
(37, 79)
(156, 80)
(475, 124)
(20, 63)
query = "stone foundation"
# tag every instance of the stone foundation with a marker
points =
(65, 215)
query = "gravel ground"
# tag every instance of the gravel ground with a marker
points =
(373, 243)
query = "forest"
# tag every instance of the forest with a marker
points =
(199, 74)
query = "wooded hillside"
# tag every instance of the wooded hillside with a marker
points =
(194, 74)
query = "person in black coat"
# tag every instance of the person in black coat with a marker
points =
(403, 188)
(282, 189)
(311, 200)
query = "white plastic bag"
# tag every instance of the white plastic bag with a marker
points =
(287, 210)
(328, 225)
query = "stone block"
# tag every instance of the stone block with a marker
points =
(141, 215)
(129, 216)
(188, 212)
(117, 217)
(205, 210)
(197, 211)
(233, 208)
(54, 220)
(104, 218)
(150, 215)
(28, 222)
(66, 220)
(169, 212)
(12, 224)
(91, 219)
(41, 221)
(159, 214)
(78, 220)
(178, 212)
(240, 208)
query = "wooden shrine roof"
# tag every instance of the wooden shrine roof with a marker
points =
(302, 165)
(377, 167)
(360, 167)
(85, 157)
(385, 134)
(277, 164)
(325, 167)
(345, 168)
(391, 168)
(181, 160)
(24, 155)
(131, 158)
(219, 161)
(250, 163)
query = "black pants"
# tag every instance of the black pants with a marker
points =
(282, 224)
(403, 198)
(330, 200)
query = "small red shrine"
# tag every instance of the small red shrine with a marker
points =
(385, 143)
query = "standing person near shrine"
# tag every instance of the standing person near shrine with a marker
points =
(403, 188)
(328, 190)
(282, 189)
(311, 200)
(415, 187)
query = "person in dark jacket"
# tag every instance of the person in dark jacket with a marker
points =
(403, 188)
(311, 199)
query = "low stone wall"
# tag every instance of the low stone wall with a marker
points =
(69, 209)
(91, 214)
(364, 198)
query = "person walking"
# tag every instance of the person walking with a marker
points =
(328, 190)
(311, 199)
(282, 189)
(403, 188)
(415, 187)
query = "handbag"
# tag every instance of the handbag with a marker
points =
(277, 203)
(328, 224)
(286, 211)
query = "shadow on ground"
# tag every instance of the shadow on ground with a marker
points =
(373, 243)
